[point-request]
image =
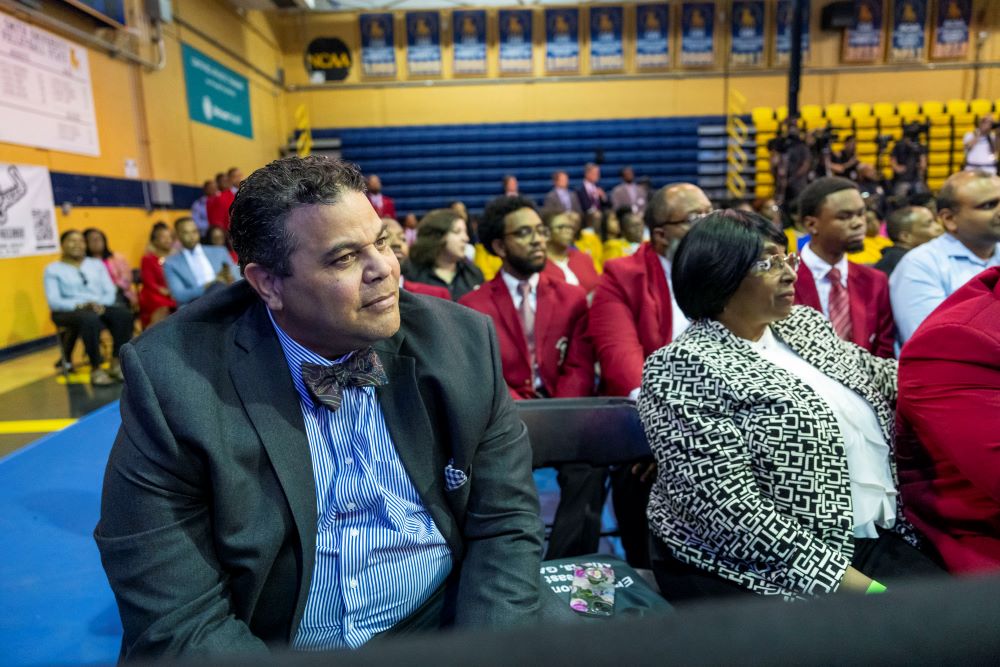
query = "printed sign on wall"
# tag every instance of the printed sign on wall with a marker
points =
(697, 34)
(46, 98)
(783, 30)
(747, 48)
(863, 41)
(562, 40)
(327, 59)
(909, 25)
(216, 95)
(951, 29)
(423, 43)
(469, 41)
(515, 41)
(378, 45)
(606, 51)
(652, 36)
(27, 212)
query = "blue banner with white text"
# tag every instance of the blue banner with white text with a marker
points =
(951, 29)
(378, 45)
(423, 43)
(652, 36)
(747, 43)
(515, 41)
(562, 40)
(783, 31)
(864, 40)
(469, 41)
(606, 51)
(697, 34)
(909, 27)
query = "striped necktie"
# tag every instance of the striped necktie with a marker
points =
(527, 316)
(839, 306)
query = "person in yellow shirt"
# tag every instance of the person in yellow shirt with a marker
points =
(874, 243)
(589, 240)
(623, 233)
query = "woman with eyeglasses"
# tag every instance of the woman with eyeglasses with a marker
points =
(772, 435)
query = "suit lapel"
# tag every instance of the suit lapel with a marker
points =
(543, 316)
(265, 387)
(806, 293)
(406, 416)
(183, 270)
(659, 294)
(509, 318)
(858, 294)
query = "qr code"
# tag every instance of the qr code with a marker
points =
(45, 231)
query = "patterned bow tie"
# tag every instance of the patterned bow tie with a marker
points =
(326, 383)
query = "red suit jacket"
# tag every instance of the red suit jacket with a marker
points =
(429, 290)
(388, 208)
(871, 315)
(581, 264)
(217, 208)
(565, 355)
(948, 414)
(630, 318)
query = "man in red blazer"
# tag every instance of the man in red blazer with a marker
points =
(383, 204)
(855, 298)
(948, 413)
(541, 325)
(634, 313)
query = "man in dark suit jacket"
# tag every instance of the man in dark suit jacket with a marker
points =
(560, 197)
(592, 196)
(545, 351)
(241, 511)
(949, 421)
(833, 212)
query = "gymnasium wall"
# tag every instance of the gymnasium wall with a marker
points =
(142, 116)
(356, 103)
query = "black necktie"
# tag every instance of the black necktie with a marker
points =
(326, 383)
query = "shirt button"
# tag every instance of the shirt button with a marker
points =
(354, 583)
(349, 461)
(354, 532)
(351, 506)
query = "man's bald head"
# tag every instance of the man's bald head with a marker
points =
(948, 195)
(669, 211)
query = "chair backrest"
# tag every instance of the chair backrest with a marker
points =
(601, 431)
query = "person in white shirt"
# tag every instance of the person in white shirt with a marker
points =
(981, 147)
(196, 269)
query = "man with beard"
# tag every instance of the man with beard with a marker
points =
(383, 204)
(544, 350)
(634, 313)
(854, 297)
(397, 241)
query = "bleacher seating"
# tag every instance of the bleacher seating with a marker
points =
(426, 167)
(949, 122)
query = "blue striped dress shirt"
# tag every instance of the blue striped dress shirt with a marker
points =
(379, 555)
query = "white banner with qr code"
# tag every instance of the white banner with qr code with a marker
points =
(27, 212)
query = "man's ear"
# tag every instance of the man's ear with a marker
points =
(498, 248)
(809, 222)
(266, 284)
(947, 219)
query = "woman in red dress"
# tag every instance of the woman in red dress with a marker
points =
(155, 302)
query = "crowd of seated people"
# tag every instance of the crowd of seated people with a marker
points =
(761, 350)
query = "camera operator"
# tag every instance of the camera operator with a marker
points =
(909, 162)
(845, 162)
(981, 147)
(791, 161)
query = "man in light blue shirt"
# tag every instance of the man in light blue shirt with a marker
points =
(82, 299)
(969, 210)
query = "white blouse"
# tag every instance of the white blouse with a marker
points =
(564, 265)
(873, 492)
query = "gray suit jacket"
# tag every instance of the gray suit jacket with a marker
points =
(208, 518)
(181, 281)
(553, 202)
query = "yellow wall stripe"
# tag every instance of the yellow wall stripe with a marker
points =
(34, 425)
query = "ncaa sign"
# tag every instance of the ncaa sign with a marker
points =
(327, 59)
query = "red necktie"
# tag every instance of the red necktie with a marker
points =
(527, 316)
(840, 305)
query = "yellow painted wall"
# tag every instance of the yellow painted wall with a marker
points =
(143, 116)
(357, 102)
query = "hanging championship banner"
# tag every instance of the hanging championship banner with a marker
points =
(562, 40)
(747, 46)
(909, 25)
(378, 45)
(606, 51)
(951, 29)
(783, 25)
(469, 41)
(423, 43)
(652, 36)
(515, 41)
(27, 212)
(697, 34)
(863, 41)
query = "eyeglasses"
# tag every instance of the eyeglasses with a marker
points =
(528, 233)
(691, 218)
(777, 264)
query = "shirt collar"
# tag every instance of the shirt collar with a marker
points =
(819, 267)
(197, 250)
(296, 355)
(955, 248)
(511, 282)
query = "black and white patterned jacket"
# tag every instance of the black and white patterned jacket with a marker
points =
(752, 482)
